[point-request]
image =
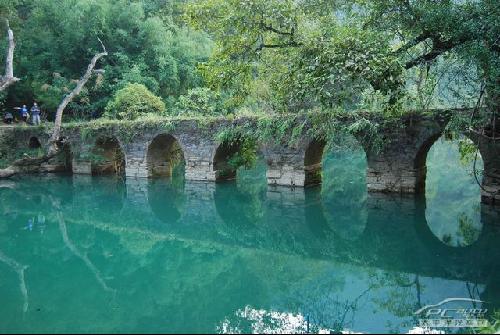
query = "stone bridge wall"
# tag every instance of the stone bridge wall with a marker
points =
(399, 167)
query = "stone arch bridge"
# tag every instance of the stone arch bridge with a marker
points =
(142, 150)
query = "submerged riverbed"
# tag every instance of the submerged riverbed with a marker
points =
(104, 254)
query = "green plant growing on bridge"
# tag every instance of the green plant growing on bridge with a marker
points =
(246, 156)
(125, 130)
(134, 101)
(246, 147)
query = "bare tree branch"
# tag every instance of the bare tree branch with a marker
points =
(276, 31)
(68, 98)
(8, 78)
(277, 46)
(19, 269)
(69, 244)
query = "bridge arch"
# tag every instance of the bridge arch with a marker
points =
(420, 162)
(64, 161)
(164, 153)
(344, 188)
(221, 161)
(452, 196)
(313, 158)
(107, 157)
(34, 143)
(318, 152)
(229, 156)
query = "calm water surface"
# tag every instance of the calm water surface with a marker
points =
(110, 255)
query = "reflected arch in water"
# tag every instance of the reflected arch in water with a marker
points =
(165, 154)
(453, 197)
(344, 190)
(99, 196)
(247, 198)
(166, 200)
(107, 157)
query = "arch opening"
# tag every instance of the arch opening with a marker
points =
(34, 143)
(67, 158)
(452, 194)
(313, 158)
(239, 160)
(229, 157)
(107, 157)
(224, 163)
(165, 156)
(420, 163)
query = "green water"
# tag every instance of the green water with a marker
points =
(110, 255)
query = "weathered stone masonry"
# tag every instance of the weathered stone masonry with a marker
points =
(399, 167)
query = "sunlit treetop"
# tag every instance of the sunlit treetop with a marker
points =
(326, 51)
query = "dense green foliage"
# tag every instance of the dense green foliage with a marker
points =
(147, 42)
(200, 101)
(354, 53)
(220, 57)
(133, 101)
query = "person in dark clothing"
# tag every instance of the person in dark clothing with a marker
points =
(8, 118)
(35, 114)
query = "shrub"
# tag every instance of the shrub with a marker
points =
(133, 101)
(200, 101)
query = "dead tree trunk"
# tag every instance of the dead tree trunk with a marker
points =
(56, 133)
(55, 145)
(8, 78)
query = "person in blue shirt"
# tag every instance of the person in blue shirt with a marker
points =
(35, 114)
(24, 113)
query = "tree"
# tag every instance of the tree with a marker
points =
(133, 101)
(200, 101)
(430, 30)
(328, 52)
(8, 78)
(56, 143)
(147, 41)
(54, 147)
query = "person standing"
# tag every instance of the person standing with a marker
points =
(8, 118)
(24, 113)
(35, 114)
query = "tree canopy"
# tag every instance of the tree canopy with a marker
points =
(266, 55)
(338, 52)
(147, 43)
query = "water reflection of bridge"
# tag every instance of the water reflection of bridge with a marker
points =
(291, 221)
(296, 222)
(296, 225)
